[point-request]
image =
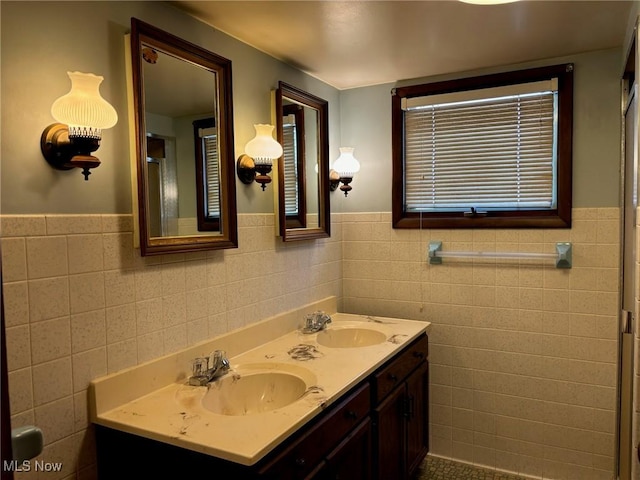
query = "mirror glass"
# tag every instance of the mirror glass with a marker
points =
(184, 144)
(303, 170)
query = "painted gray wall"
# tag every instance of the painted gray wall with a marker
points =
(41, 41)
(89, 36)
(365, 115)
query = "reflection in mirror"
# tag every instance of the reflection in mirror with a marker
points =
(207, 169)
(293, 131)
(184, 130)
(303, 169)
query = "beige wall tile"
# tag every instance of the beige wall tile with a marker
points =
(174, 310)
(64, 452)
(196, 275)
(50, 340)
(148, 316)
(608, 231)
(440, 446)
(531, 298)
(47, 257)
(85, 253)
(22, 225)
(175, 338)
(120, 323)
(462, 451)
(148, 283)
(52, 381)
(20, 386)
(56, 419)
(118, 251)
(86, 448)
(486, 349)
(117, 223)
(16, 303)
(18, 348)
(119, 287)
(122, 355)
(150, 346)
(88, 365)
(48, 298)
(88, 331)
(197, 330)
(86, 292)
(80, 412)
(73, 224)
(14, 259)
(584, 231)
(173, 279)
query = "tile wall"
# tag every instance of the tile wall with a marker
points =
(523, 355)
(80, 302)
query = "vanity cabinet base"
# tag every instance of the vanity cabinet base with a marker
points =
(378, 430)
(400, 416)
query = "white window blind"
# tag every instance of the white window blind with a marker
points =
(496, 151)
(212, 169)
(290, 167)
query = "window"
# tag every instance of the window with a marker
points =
(208, 169)
(294, 155)
(490, 151)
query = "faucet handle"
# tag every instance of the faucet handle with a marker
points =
(199, 366)
(218, 360)
(315, 321)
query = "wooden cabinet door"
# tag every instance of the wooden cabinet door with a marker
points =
(390, 448)
(418, 417)
(351, 459)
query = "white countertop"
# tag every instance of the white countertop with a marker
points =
(174, 413)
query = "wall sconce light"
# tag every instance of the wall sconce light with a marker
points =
(82, 114)
(346, 167)
(260, 152)
(334, 180)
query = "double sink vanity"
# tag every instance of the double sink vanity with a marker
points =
(349, 400)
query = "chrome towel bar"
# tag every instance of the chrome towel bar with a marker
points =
(562, 256)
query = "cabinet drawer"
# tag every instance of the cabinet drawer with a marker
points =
(299, 459)
(397, 370)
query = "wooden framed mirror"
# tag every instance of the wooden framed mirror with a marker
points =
(183, 116)
(302, 126)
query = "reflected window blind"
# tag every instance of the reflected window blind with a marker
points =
(290, 169)
(491, 153)
(210, 149)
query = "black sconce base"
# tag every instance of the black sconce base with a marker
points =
(65, 153)
(248, 171)
(345, 187)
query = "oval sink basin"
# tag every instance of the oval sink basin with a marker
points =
(350, 337)
(247, 392)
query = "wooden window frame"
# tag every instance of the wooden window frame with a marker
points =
(560, 217)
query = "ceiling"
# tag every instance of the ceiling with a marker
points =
(350, 44)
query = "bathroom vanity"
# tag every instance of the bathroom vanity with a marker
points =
(348, 402)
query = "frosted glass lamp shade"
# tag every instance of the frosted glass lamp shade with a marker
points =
(82, 114)
(83, 109)
(346, 165)
(263, 148)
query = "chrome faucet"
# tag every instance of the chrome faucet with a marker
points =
(207, 369)
(316, 321)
